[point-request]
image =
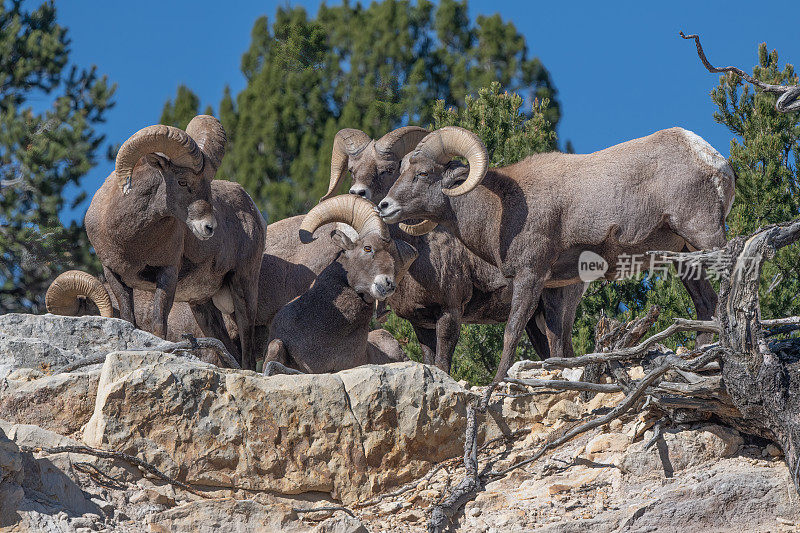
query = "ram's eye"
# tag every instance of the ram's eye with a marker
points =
(183, 183)
(368, 248)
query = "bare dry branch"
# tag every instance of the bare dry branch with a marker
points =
(565, 385)
(790, 94)
(680, 325)
(324, 508)
(621, 408)
(110, 454)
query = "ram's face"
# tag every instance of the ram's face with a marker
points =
(374, 265)
(372, 174)
(188, 197)
(417, 193)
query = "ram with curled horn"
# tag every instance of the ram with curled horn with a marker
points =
(448, 285)
(326, 329)
(78, 293)
(668, 191)
(162, 224)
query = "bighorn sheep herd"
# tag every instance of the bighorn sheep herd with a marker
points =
(184, 253)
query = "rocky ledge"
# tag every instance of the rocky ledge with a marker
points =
(243, 452)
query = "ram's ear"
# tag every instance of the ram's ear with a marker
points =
(455, 173)
(407, 255)
(156, 161)
(341, 240)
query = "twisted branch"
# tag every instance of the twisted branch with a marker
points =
(790, 94)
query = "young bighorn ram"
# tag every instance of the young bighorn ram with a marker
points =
(326, 329)
(448, 285)
(153, 227)
(668, 191)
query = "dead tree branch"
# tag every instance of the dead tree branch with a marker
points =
(192, 343)
(110, 454)
(680, 325)
(789, 99)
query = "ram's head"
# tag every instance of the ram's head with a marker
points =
(182, 162)
(374, 262)
(430, 174)
(373, 165)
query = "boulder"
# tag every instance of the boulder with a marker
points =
(62, 403)
(350, 434)
(680, 449)
(49, 341)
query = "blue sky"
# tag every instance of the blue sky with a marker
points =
(620, 69)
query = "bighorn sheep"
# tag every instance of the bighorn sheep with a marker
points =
(153, 227)
(72, 291)
(448, 285)
(326, 329)
(668, 191)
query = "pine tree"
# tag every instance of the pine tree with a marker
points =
(42, 152)
(309, 77)
(765, 154)
(185, 107)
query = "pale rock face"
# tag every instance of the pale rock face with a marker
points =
(49, 341)
(350, 434)
(684, 449)
(308, 441)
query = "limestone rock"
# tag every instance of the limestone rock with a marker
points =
(228, 514)
(350, 434)
(341, 523)
(49, 341)
(62, 403)
(681, 449)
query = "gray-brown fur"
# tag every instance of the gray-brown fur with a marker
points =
(182, 236)
(326, 329)
(666, 191)
(448, 285)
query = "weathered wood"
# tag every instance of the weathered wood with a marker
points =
(762, 386)
(789, 99)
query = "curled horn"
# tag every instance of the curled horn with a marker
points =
(401, 141)
(346, 143)
(451, 141)
(170, 141)
(62, 295)
(348, 209)
(418, 229)
(210, 137)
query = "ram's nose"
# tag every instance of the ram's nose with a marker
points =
(383, 287)
(360, 190)
(204, 228)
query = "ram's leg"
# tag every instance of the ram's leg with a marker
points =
(705, 302)
(527, 288)
(277, 359)
(560, 305)
(163, 297)
(210, 320)
(448, 329)
(536, 329)
(245, 302)
(427, 341)
(123, 294)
